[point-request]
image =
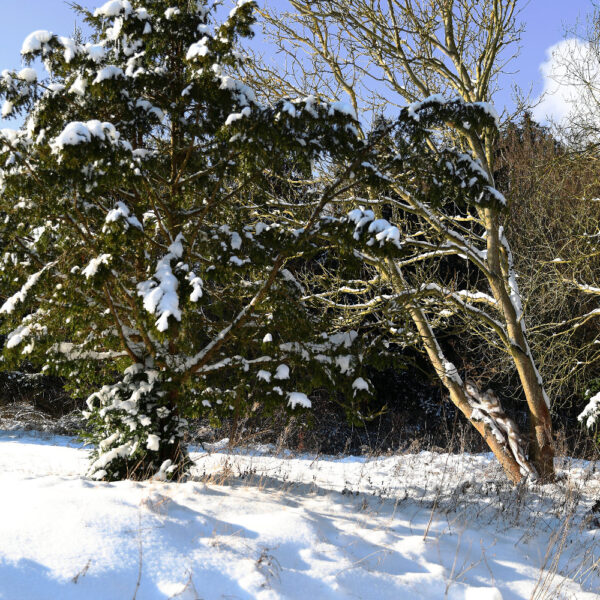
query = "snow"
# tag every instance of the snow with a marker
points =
(360, 218)
(142, 14)
(35, 41)
(589, 413)
(343, 362)
(244, 92)
(153, 442)
(289, 108)
(29, 75)
(7, 109)
(385, 231)
(121, 211)
(282, 372)
(589, 289)
(414, 108)
(95, 52)
(237, 6)
(11, 303)
(233, 117)
(254, 525)
(475, 165)
(197, 285)
(451, 371)
(79, 86)
(342, 108)
(94, 265)
(360, 384)
(236, 241)
(499, 197)
(198, 49)
(264, 375)
(109, 72)
(298, 398)
(171, 12)
(490, 111)
(344, 338)
(237, 261)
(160, 295)
(113, 8)
(70, 47)
(18, 335)
(78, 133)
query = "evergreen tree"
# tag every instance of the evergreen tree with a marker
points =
(152, 214)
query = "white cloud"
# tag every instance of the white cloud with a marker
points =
(562, 94)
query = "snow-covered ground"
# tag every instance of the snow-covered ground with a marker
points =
(253, 525)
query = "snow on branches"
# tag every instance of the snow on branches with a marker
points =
(426, 231)
(166, 200)
(160, 294)
(136, 432)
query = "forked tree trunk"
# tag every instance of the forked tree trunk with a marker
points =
(514, 471)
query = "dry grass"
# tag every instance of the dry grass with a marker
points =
(562, 512)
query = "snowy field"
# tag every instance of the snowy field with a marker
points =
(253, 525)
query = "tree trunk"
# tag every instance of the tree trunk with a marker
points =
(455, 387)
(177, 452)
(541, 443)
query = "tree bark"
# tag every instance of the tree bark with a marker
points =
(458, 397)
(541, 443)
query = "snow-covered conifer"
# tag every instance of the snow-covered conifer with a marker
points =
(152, 209)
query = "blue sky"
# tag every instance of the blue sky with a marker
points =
(545, 22)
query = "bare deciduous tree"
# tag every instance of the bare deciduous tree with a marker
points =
(386, 53)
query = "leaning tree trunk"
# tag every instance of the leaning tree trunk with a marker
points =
(499, 432)
(504, 288)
